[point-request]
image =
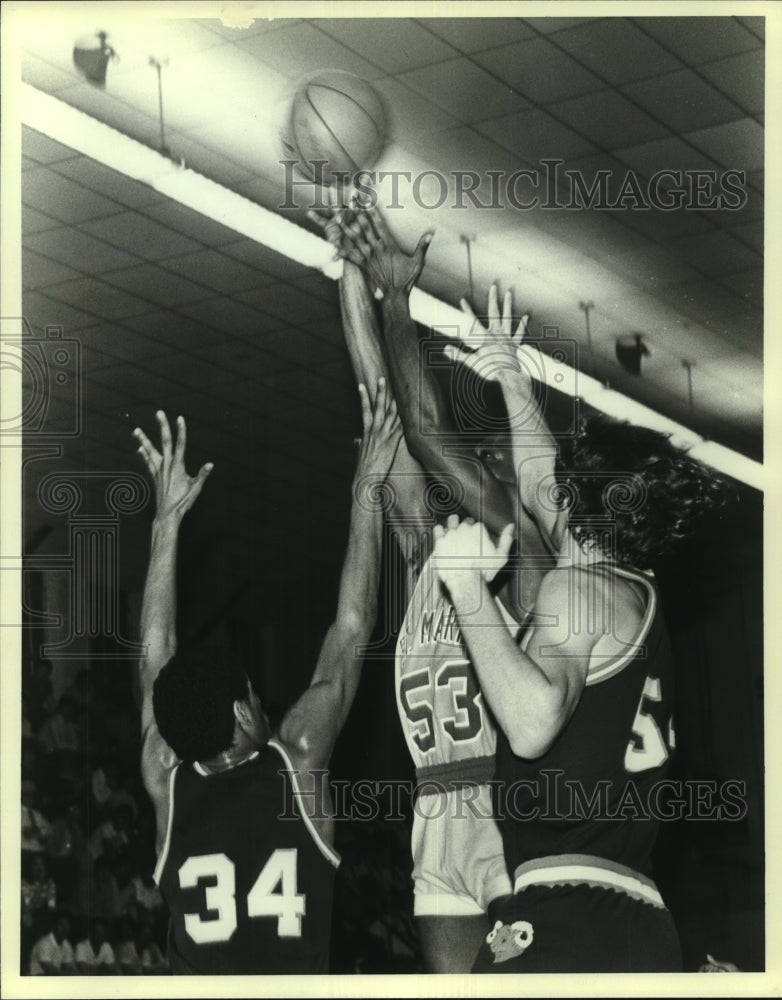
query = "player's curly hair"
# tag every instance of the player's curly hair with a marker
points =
(193, 698)
(632, 493)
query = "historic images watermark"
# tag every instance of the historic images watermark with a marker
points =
(549, 798)
(546, 187)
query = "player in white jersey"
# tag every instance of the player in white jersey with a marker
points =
(457, 851)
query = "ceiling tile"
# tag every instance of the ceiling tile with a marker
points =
(608, 119)
(99, 298)
(170, 327)
(69, 245)
(617, 50)
(757, 25)
(141, 235)
(226, 315)
(741, 77)
(157, 285)
(550, 25)
(751, 233)
(465, 90)
(664, 154)
(39, 271)
(699, 39)
(287, 303)
(736, 145)
(42, 74)
(410, 113)
(193, 224)
(715, 253)
(217, 271)
(472, 34)
(748, 284)
(683, 100)
(36, 222)
(218, 167)
(41, 311)
(396, 44)
(108, 182)
(114, 343)
(535, 135)
(704, 301)
(264, 259)
(300, 49)
(43, 149)
(538, 70)
(141, 125)
(298, 347)
(198, 372)
(56, 195)
(135, 384)
(667, 225)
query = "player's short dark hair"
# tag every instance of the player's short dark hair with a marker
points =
(193, 698)
(613, 473)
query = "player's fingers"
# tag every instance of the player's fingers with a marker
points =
(349, 253)
(165, 435)
(521, 329)
(380, 224)
(439, 532)
(453, 522)
(366, 229)
(419, 257)
(494, 306)
(181, 439)
(147, 451)
(476, 326)
(203, 473)
(381, 403)
(507, 313)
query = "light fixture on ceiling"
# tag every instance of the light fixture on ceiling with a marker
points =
(74, 128)
(91, 57)
(630, 348)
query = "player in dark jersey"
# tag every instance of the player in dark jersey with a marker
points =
(583, 705)
(244, 825)
(458, 862)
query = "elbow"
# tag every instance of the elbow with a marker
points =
(540, 733)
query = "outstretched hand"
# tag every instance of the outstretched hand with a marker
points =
(361, 236)
(382, 431)
(175, 490)
(464, 553)
(491, 350)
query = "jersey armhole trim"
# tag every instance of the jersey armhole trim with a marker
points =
(613, 667)
(325, 849)
(161, 861)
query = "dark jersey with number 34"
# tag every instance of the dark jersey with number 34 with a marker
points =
(596, 790)
(244, 871)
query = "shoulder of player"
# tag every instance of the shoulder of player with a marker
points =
(566, 588)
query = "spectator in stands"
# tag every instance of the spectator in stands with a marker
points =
(103, 898)
(39, 892)
(52, 954)
(125, 950)
(61, 731)
(35, 828)
(94, 955)
(114, 835)
(153, 961)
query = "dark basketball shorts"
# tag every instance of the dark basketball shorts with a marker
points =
(577, 913)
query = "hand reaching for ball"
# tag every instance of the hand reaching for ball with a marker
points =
(361, 236)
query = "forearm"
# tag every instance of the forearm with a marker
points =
(529, 706)
(427, 419)
(357, 600)
(158, 611)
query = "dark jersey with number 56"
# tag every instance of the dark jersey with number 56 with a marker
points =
(246, 876)
(443, 714)
(597, 790)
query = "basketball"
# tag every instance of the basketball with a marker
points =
(339, 118)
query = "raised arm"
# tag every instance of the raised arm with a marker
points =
(496, 353)
(175, 494)
(312, 725)
(408, 516)
(362, 238)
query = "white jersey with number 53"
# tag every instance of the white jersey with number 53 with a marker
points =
(444, 716)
